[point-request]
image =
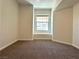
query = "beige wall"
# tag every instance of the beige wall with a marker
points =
(8, 22)
(63, 21)
(76, 25)
(25, 22)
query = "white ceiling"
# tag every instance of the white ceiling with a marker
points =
(41, 3)
(54, 4)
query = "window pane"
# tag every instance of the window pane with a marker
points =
(42, 26)
(39, 24)
(45, 26)
(42, 23)
(42, 19)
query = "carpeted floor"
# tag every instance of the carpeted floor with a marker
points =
(39, 50)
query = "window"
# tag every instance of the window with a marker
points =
(42, 23)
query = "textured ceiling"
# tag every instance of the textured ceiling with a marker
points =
(41, 3)
(38, 3)
(49, 3)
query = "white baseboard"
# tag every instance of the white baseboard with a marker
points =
(25, 39)
(62, 42)
(43, 38)
(8, 45)
(32, 39)
(75, 46)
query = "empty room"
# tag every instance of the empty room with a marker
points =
(39, 29)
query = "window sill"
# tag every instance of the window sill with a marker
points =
(43, 33)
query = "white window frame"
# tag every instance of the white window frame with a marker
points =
(41, 31)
